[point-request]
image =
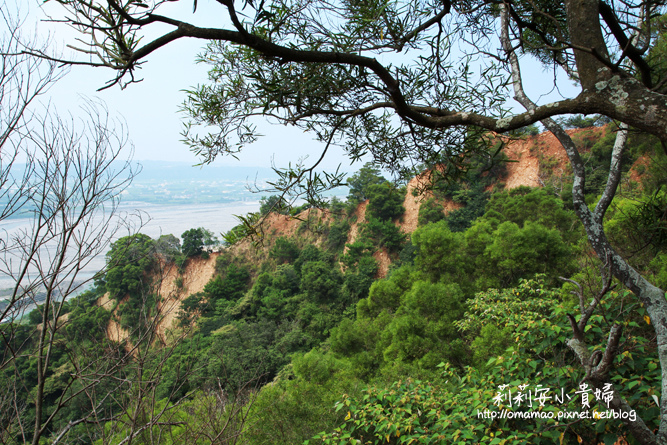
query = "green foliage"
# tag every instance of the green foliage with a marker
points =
(246, 229)
(637, 227)
(320, 282)
(317, 367)
(359, 279)
(522, 252)
(491, 342)
(194, 241)
(337, 235)
(547, 30)
(430, 211)
(290, 411)
(136, 314)
(295, 211)
(348, 338)
(423, 332)
(497, 318)
(228, 287)
(274, 204)
(205, 414)
(249, 352)
(80, 342)
(385, 201)
(271, 293)
(581, 121)
(180, 263)
(312, 253)
(336, 206)
(659, 268)
(657, 57)
(640, 224)
(384, 233)
(440, 253)
(523, 204)
(360, 182)
(653, 178)
(87, 323)
(129, 261)
(407, 316)
(403, 413)
(475, 200)
(385, 295)
(533, 239)
(407, 255)
(490, 254)
(464, 406)
(598, 160)
(404, 326)
(284, 250)
(357, 250)
(597, 155)
(192, 307)
(234, 355)
(36, 315)
(432, 413)
(168, 247)
(484, 164)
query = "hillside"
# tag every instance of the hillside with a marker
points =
(532, 160)
(386, 293)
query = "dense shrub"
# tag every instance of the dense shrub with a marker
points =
(385, 201)
(360, 183)
(130, 261)
(384, 233)
(195, 240)
(284, 250)
(430, 212)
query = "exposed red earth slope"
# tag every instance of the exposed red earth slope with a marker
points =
(532, 156)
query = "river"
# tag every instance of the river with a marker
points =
(158, 220)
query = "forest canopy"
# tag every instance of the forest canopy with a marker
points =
(426, 84)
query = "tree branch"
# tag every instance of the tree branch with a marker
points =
(628, 48)
(601, 100)
(614, 172)
(597, 238)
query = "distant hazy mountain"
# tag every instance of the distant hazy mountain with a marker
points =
(168, 183)
(157, 171)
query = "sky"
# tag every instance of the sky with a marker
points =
(151, 108)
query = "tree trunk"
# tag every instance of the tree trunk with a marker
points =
(583, 20)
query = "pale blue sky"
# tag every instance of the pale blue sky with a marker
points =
(150, 108)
